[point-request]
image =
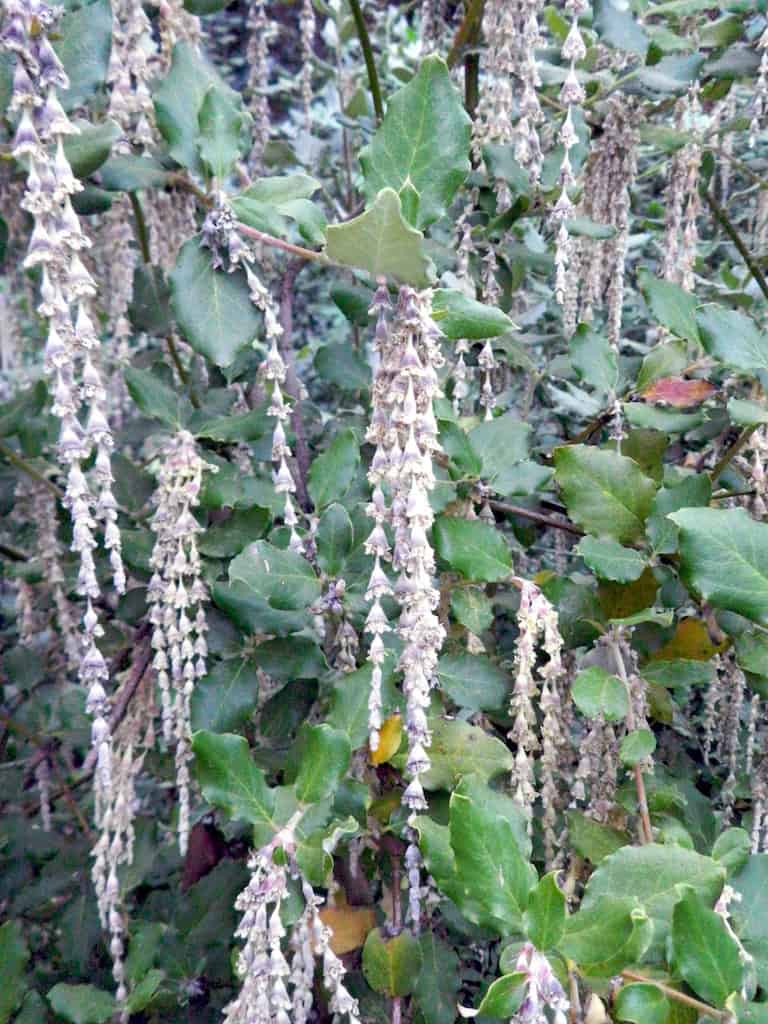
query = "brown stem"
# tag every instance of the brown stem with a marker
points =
(70, 801)
(730, 453)
(679, 997)
(724, 220)
(25, 467)
(646, 832)
(182, 181)
(278, 243)
(468, 32)
(536, 517)
(15, 554)
(292, 381)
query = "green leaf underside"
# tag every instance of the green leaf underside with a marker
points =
(213, 309)
(381, 242)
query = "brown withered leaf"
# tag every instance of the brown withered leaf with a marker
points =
(678, 392)
(349, 926)
(206, 848)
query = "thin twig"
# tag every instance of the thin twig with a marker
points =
(15, 554)
(536, 517)
(614, 642)
(679, 997)
(25, 467)
(183, 375)
(727, 224)
(731, 452)
(467, 33)
(140, 225)
(370, 63)
(292, 381)
(278, 243)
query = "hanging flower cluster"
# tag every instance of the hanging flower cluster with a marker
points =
(404, 430)
(511, 30)
(129, 75)
(609, 176)
(307, 26)
(681, 200)
(176, 595)
(542, 990)
(260, 31)
(65, 291)
(760, 95)
(277, 989)
(537, 620)
(571, 96)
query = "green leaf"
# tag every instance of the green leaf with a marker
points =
(594, 359)
(226, 698)
(494, 880)
(693, 490)
(295, 657)
(421, 149)
(464, 462)
(616, 25)
(610, 560)
(83, 45)
(178, 101)
(651, 417)
(143, 994)
(81, 1004)
(504, 996)
(285, 580)
(472, 608)
(459, 748)
(341, 365)
(229, 779)
(349, 703)
(636, 746)
(667, 360)
(672, 306)
(437, 986)
(641, 1003)
(334, 539)
(744, 413)
(156, 399)
(653, 874)
(269, 202)
(605, 493)
(459, 316)
(13, 959)
(325, 758)
(702, 950)
(733, 338)
(724, 557)
(132, 173)
(732, 849)
(502, 444)
(546, 913)
(593, 840)
(472, 547)
(229, 537)
(90, 146)
(678, 672)
(17, 411)
(381, 242)
(220, 123)
(596, 692)
(748, 914)
(391, 966)
(212, 308)
(605, 937)
(332, 472)
(473, 681)
(150, 304)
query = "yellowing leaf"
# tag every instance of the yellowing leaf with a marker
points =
(349, 926)
(389, 740)
(691, 640)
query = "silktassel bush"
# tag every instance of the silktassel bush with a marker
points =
(383, 481)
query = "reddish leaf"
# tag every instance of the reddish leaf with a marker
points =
(678, 392)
